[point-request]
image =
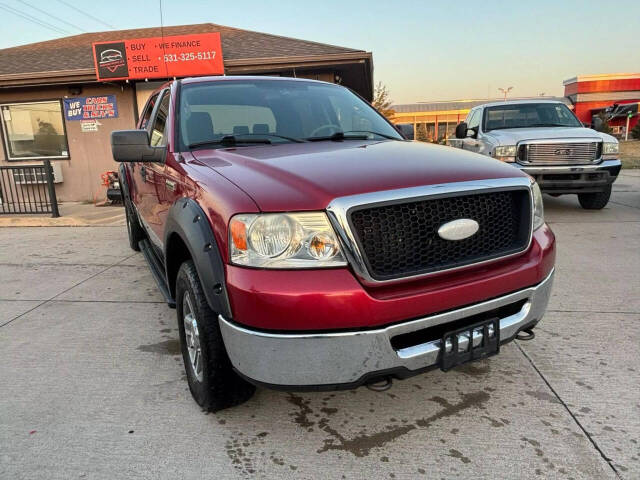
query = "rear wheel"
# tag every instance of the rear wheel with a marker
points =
(212, 381)
(135, 231)
(595, 201)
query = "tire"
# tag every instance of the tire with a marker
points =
(595, 201)
(213, 383)
(134, 230)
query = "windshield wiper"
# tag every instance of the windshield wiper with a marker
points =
(533, 125)
(338, 136)
(551, 125)
(229, 140)
(291, 139)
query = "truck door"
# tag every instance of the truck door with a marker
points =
(473, 144)
(140, 188)
(152, 175)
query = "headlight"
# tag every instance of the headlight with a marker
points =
(610, 148)
(505, 153)
(284, 240)
(538, 207)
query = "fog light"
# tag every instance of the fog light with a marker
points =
(491, 330)
(448, 345)
(477, 337)
(463, 341)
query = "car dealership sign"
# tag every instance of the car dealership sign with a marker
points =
(159, 57)
(90, 108)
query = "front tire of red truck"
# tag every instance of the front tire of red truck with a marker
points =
(212, 381)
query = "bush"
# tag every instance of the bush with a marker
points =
(635, 131)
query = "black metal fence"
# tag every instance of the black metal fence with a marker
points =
(26, 189)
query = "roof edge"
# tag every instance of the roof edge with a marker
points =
(89, 74)
(602, 76)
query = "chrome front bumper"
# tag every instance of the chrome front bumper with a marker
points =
(345, 359)
(573, 178)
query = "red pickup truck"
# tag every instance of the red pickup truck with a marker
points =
(305, 244)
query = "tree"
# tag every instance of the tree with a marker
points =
(604, 125)
(421, 132)
(635, 131)
(382, 102)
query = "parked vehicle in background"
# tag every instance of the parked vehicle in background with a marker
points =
(306, 245)
(546, 140)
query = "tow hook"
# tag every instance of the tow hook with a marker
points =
(380, 385)
(525, 335)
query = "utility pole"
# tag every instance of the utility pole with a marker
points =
(505, 91)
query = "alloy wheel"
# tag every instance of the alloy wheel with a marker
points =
(192, 337)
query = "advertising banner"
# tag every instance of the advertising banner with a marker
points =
(90, 108)
(159, 57)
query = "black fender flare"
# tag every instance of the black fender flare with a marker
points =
(187, 220)
(123, 178)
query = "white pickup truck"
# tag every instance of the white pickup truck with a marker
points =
(546, 140)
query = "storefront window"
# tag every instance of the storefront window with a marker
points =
(34, 130)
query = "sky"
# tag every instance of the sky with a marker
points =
(422, 50)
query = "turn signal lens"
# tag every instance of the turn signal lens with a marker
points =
(322, 246)
(239, 234)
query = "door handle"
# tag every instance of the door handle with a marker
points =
(143, 173)
(171, 185)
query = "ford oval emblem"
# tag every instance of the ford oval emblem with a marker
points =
(458, 229)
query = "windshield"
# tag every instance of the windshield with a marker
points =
(274, 111)
(529, 115)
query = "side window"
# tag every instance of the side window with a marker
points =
(474, 121)
(148, 110)
(160, 122)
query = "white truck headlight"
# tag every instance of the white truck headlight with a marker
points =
(284, 240)
(538, 206)
(505, 153)
(610, 149)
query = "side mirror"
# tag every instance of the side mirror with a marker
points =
(597, 123)
(134, 146)
(461, 130)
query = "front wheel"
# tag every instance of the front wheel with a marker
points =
(595, 201)
(212, 381)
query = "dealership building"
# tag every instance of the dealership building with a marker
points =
(594, 94)
(60, 99)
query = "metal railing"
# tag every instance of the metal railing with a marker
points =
(28, 189)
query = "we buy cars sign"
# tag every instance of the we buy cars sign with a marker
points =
(159, 57)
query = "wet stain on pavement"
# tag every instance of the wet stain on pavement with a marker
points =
(362, 444)
(474, 370)
(168, 347)
(457, 454)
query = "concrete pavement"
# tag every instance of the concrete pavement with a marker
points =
(92, 384)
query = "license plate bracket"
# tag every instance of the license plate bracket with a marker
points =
(457, 346)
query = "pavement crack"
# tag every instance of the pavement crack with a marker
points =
(566, 407)
(66, 290)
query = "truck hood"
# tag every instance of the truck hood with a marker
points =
(307, 176)
(511, 136)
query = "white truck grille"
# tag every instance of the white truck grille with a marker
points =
(559, 153)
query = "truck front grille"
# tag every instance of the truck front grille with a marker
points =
(559, 153)
(401, 239)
